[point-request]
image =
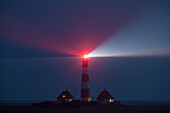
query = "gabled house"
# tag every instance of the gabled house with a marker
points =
(65, 96)
(105, 97)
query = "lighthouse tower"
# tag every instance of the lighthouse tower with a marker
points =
(85, 88)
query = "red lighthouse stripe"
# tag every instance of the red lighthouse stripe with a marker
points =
(85, 93)
(85, 70)
(85, 63)
(85, 77)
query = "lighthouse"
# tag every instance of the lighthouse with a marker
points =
(85, 87)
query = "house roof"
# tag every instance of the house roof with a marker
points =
(65, 94)
(104, 95)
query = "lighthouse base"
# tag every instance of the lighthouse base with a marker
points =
(85, 99)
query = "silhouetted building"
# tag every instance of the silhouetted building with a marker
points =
(105, 97)
(65, 96)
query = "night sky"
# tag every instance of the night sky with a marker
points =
(41, 43)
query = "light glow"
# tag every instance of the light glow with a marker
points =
(86, 56)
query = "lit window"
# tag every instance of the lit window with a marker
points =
(70, 100)
(111, 100)
(64, 96)
(89, 99)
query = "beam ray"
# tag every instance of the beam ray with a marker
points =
(147, 35)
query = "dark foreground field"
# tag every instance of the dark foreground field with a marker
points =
(90, 109)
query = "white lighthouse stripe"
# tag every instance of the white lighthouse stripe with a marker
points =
(85, 85)
(85, 70)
